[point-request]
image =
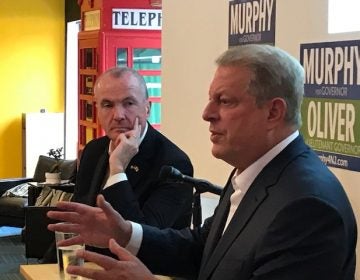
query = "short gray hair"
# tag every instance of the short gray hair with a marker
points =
(276, 74)
(118, 72)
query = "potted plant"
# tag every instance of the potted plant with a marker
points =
(54, 174)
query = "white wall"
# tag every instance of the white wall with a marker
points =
(194, 34)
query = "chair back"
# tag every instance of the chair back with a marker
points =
(45, 164)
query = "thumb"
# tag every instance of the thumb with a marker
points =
(120, 252)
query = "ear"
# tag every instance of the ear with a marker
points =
(148, 107)
(277, 111)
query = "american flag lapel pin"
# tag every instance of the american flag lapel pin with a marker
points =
(134, 167)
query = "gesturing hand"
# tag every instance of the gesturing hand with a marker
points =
(95, 225)
(128, 267)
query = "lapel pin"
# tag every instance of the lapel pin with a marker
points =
(134, 167)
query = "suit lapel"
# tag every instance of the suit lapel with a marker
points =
(257, 193)
(219, 246)
(97, 180)
(99, 173)
(217, 224)
(241, 216)
(138, 165)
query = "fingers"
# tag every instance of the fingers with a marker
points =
(135, 133)
(120, 228)
(115, 143)
(127, 138)
(71, 241)
(69, 217)
(70, 207)
(127, 267)
(88, 273)
(127, 261)
(136, 125)
(130, 137)
(101, 260)
(131, 134)
(120, 252)
(137, 129)
(106, 207)
(63, 227)
(72, 213)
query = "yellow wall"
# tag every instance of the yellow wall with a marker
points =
(32, 55)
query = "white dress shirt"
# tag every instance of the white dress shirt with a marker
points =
(242, 181)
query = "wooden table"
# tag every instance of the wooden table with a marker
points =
(50, 271)
(42, 271)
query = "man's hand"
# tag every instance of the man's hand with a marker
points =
(95, 225)
(124, 148)
(127, 267)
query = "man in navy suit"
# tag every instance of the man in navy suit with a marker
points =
(124, 165)
(282, 215)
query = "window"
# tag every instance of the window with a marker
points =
(343, 16)
(147, 59)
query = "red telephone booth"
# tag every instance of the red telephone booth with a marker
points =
(118, 33)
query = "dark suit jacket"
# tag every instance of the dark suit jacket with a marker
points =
(143, 198)
(295, 222)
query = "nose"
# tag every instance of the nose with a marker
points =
(210, 112)
(118, 112)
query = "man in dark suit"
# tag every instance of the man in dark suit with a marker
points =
(282, 215)
(142, 198)
(125, 164)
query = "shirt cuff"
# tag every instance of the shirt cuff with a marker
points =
(116, 178)
(135, 239)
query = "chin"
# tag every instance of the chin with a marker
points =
(113, 135)
(217, 153)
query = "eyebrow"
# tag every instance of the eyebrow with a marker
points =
(128, 98)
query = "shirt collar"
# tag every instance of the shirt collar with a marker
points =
(144, 133)
(244, 179)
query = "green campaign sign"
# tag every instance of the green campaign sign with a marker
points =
(331, 106)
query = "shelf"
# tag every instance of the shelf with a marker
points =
(88, 124)
(88, 71)
(87, 97)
